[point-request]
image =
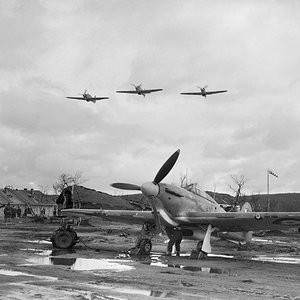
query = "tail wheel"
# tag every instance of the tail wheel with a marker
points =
(145, 246)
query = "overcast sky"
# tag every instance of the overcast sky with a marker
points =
(53, 49)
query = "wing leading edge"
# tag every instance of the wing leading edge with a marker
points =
(88, 99)
(204, 93)
(238, 221)
(122, 216)
(142, 91)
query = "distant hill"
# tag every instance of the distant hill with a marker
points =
(259, 202)
(89, 198)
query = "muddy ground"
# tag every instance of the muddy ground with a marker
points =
(100, 268)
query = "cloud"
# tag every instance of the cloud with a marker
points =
(56, 49)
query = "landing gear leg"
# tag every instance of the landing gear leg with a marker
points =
(203, 248)
(143, 244)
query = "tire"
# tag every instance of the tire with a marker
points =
(145, 246)
(64, 239)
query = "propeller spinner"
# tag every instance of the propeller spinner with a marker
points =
(151, 189)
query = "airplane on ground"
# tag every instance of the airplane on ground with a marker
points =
(140, 91)
(188, 209)
(87, 97)
(203, 92)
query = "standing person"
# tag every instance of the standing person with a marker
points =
(19, 211)
(7, 212)
(3, 205)
(175, 236)
(43, 211)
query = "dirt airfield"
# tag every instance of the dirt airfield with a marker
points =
(99, 268)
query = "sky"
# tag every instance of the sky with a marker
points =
(53, 49)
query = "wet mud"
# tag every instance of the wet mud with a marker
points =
(100, 268)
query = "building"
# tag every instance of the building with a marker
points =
(30, 201)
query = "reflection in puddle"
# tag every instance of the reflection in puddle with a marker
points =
(157, 259)
(81, 264)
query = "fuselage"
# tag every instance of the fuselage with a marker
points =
(88, 98)
(172, 201)
(179, 201)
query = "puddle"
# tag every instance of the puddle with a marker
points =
(13, 273)
(39, 242)
(157, 259)
(157, 294)
(81, 264)
(229, 272)
(269, 242)
(55, 252)
(17, 273)
(278, 259)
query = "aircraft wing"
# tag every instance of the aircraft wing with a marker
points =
(99, 98)
(215, 92)
(243, 221)
(128, 92)
(150, 91)
(192, 93)
(77, 98)
(122, 216)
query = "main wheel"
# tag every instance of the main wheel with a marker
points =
(145, 246)
(64, 239)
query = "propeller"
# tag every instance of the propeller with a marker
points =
(202, 88)
(126, 186)
(151, 189)
(166, 168)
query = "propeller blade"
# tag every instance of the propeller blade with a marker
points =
(166, 168)
(126, 186)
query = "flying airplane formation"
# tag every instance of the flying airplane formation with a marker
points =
(203, 92)
(188, 209)
(140, 91)
(87, 97)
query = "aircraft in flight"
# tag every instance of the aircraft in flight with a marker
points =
(203, 92)
(87, 97)
(140, 91)
(188, 209)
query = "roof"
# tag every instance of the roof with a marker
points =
(22, 197)
(4, 199)
(89, 198)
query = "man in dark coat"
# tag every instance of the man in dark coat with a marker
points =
(175, 236)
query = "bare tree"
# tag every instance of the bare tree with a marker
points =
(66, 180)
(44, 189)
(239, 183)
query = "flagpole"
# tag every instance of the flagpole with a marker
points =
(268, 190)
(268, 187)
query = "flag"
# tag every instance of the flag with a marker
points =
(272, 173)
